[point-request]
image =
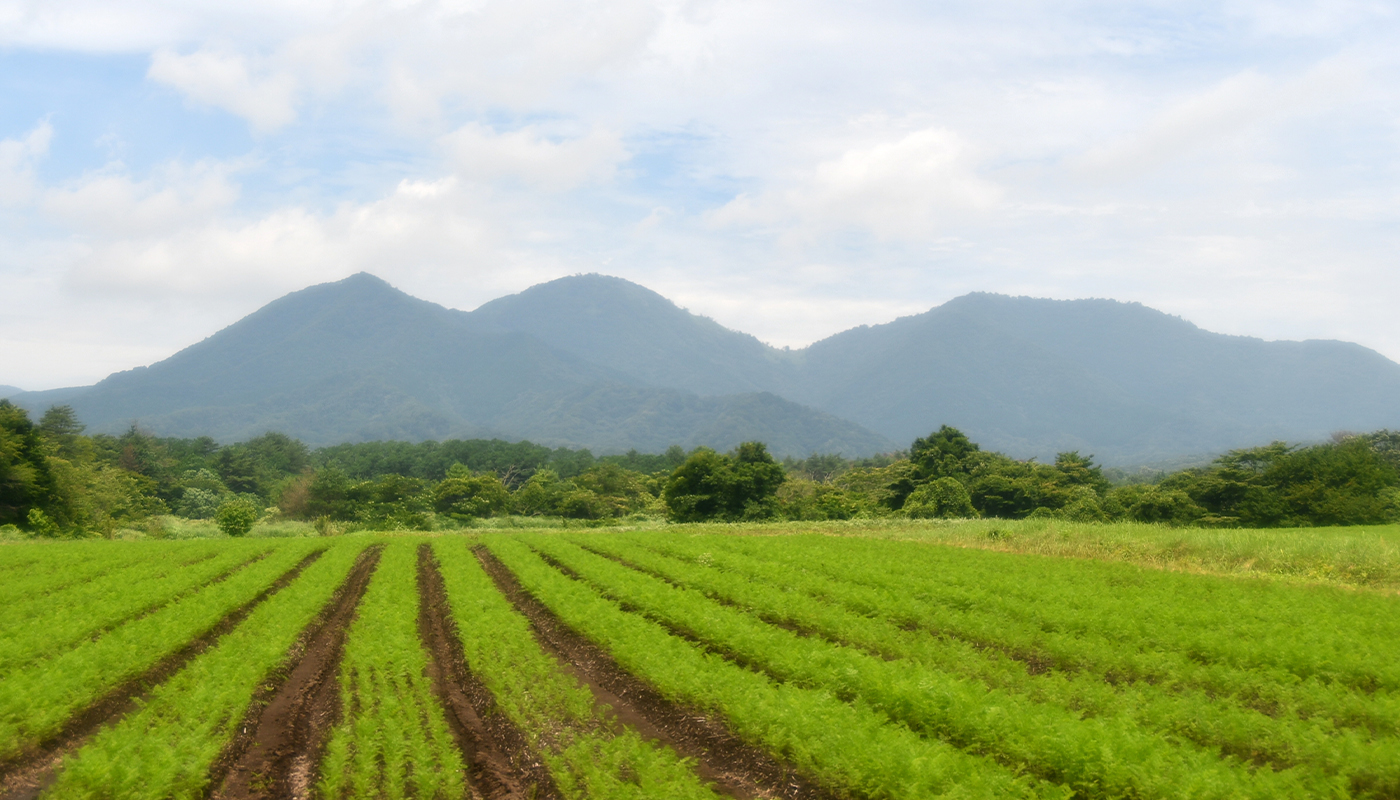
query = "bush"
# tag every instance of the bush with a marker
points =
(41, 525)
(325, 526)
(236, 517)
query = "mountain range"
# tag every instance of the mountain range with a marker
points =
(600, 362)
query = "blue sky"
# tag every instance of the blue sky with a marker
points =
(789, 169)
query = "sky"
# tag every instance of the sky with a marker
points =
(790, 169)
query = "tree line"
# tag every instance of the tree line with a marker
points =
(57, 481)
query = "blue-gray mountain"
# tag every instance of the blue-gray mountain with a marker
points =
(604, 363)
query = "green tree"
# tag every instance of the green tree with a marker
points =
(60, 426)
(539, 496)
(710, 486)
(944, 453)
(1151, 503)
(26, 481)
(328, 494)
(471, 496)
(620, 491)
(1339, 483)
(878, 490)
(941, 498)
(1077, 470)
(700, 489)
(808, 500)
(203, 493)
(579, 503)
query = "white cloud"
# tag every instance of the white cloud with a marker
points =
(17, 160)
(110, 202)
(907, 187)
(230, 81)
(1215, 116)
(532, 157)
(442, 238)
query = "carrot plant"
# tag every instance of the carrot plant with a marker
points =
(1071, 615)
(98, 605)
(1368, 764)
(35, 702)
(1098, 757)
(1248, 625)
(847, 746)
(53, 567)
(584, 755)
(393, 740)
(167, 748)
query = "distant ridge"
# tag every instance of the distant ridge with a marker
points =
(636, 331)
(6, 391)
(359, 360)
(601, 362)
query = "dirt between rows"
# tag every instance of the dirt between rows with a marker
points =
(501, 765)
(26, 776)
(287, 724)
(737, 768)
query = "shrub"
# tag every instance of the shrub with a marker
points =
(236, 516)
(41, 525)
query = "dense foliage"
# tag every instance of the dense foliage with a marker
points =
(56, 481)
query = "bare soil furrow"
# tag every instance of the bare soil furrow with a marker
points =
(27, 775)
(501, 763)
(285, 729)
(735, 767)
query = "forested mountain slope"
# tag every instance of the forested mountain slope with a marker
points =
(1033, 376)
(359, 360)
(601, 362)
(630, 328)
(1028, 376)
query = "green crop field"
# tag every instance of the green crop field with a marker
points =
(850, 660)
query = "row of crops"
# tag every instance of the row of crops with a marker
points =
(646, 664)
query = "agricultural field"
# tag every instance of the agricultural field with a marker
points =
(798, 661)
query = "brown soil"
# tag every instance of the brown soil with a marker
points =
(25, 776)
(287, 723)
(736, 768)
(501, 764)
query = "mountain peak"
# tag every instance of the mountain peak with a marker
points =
(630, 328)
